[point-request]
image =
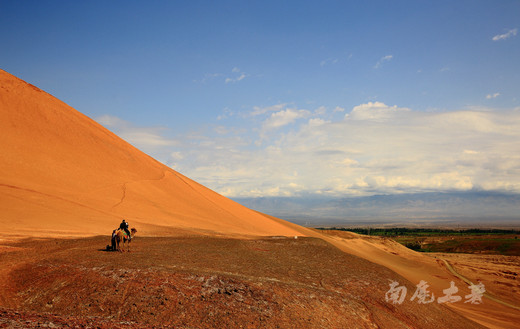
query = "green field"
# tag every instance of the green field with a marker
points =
(474, 241)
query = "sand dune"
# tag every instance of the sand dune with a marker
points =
(62, 174)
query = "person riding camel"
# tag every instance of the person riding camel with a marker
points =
(124, 226)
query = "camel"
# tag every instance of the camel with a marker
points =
(121, 238)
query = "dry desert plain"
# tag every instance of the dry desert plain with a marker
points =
(199, 260)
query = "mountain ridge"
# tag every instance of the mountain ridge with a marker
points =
(474, 208)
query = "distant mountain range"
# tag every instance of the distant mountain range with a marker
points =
(474, 208)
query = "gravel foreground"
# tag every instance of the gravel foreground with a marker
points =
(203, 282)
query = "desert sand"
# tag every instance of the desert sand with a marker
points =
(415, 267)
(62, 175)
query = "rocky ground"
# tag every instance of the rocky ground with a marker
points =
(203, 282)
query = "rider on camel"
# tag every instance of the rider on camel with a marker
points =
(124, 226)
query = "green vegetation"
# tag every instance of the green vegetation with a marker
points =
(400, 231)
(492, 241)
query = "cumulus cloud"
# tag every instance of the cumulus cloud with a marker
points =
(491, 96)
(376, 111)
(383, 60)
(317, 122)
(376, 148)
(504, 36)
(284, 117)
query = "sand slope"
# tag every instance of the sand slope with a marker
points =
(416, 266)
(62, 173)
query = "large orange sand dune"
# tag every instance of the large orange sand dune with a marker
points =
(62, 173)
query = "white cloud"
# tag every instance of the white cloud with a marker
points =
(376, 111)
(490, 96)
(507, 35)
(320, 110)
(238, 75)
(376, 148)
(382, 60)
(284, 117)
(239, 78)
(263, 110)
(226, 114)
(177, 155)
(317, 122)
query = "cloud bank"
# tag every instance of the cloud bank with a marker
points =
(373, 149)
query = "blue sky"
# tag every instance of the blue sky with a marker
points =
(289, 98)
